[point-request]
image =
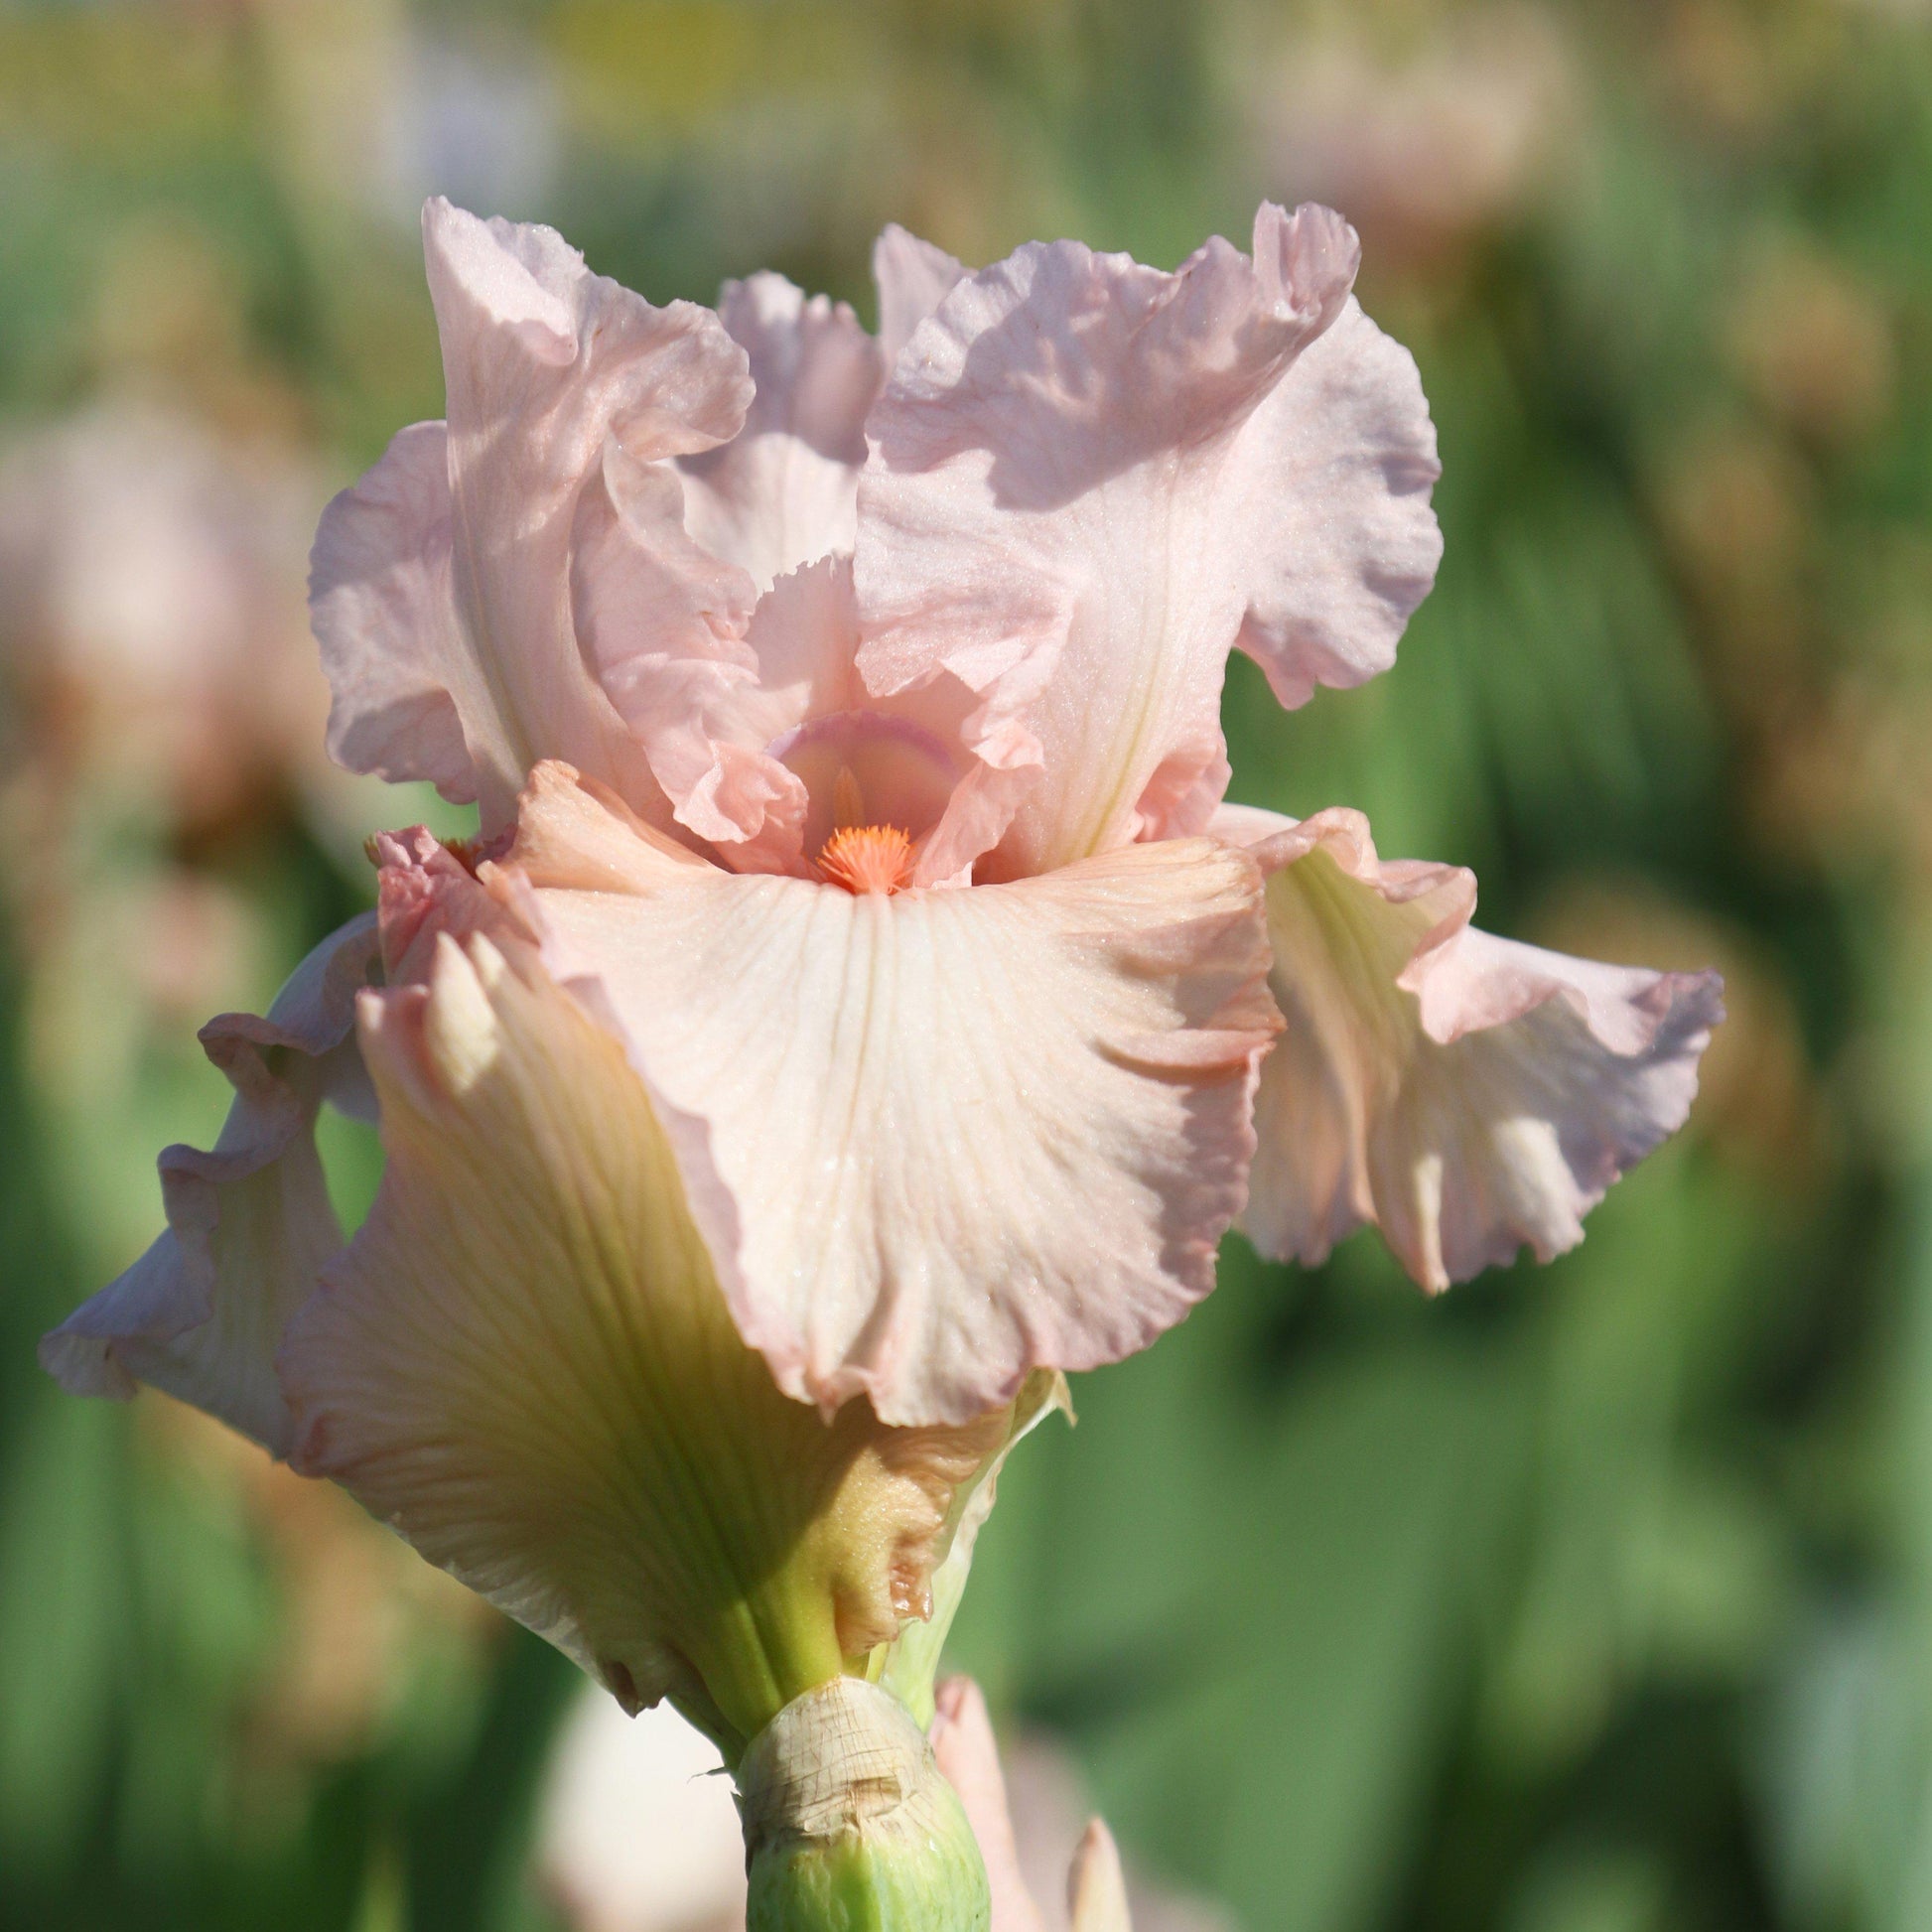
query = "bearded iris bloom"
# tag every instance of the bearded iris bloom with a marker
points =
(859, 1006)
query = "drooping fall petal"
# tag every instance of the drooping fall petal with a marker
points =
(1091, 479)
(522, 1362)
(947, 1138)
(249, 1223)
(1468, 1095)
(440, 584)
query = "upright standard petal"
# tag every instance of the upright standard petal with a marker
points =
(249, 1224)
(1466, 1095)
(1091, 479)
(410, 698)
(913, 278)
(663, 622)
(523, 1363)
(783, 491)
(442, 584)
(947, 1136)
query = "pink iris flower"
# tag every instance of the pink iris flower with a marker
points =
(860, 1003)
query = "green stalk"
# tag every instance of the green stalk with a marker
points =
(849, 1826)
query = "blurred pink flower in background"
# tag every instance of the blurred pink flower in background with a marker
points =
(1427, 146)
(151, 603)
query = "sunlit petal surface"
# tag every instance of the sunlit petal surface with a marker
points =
(441, 583)
(947, 1136)
(1091, 479)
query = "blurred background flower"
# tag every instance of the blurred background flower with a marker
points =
(1595, 1599)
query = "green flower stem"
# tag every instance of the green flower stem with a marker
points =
(849, 1826)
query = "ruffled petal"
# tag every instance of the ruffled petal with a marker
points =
(750, 737)
(913, 278)
(445, 608)
(664, 622)
(249, 1224)
(1466, 1095)
(410, 699)
(523, 1363)
(783, 491)
(424, 891)
(1339, 462)
(1090, 480)
(947, 1136)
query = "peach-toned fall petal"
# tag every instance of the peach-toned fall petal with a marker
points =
(947, 1136)
(523, 1363)
(249, 1223)
(783, 491)
(1091, 479)
(1466, 1095)
(440, 584)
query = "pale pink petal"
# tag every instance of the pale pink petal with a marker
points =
(963, 1744)
(1466, 1095)
(466, 591)
(913, 278)
(411, 698)
(249, 1224)
(783, 491)
(948, 1136)
(574, 832)
(523, 1363)
(713, 704)
(804, 638)
(905, 756)
(1090, 480)
(1340, 460)
(424, 891)
(664, 623)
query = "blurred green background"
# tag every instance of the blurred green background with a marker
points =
(1591, 1598)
